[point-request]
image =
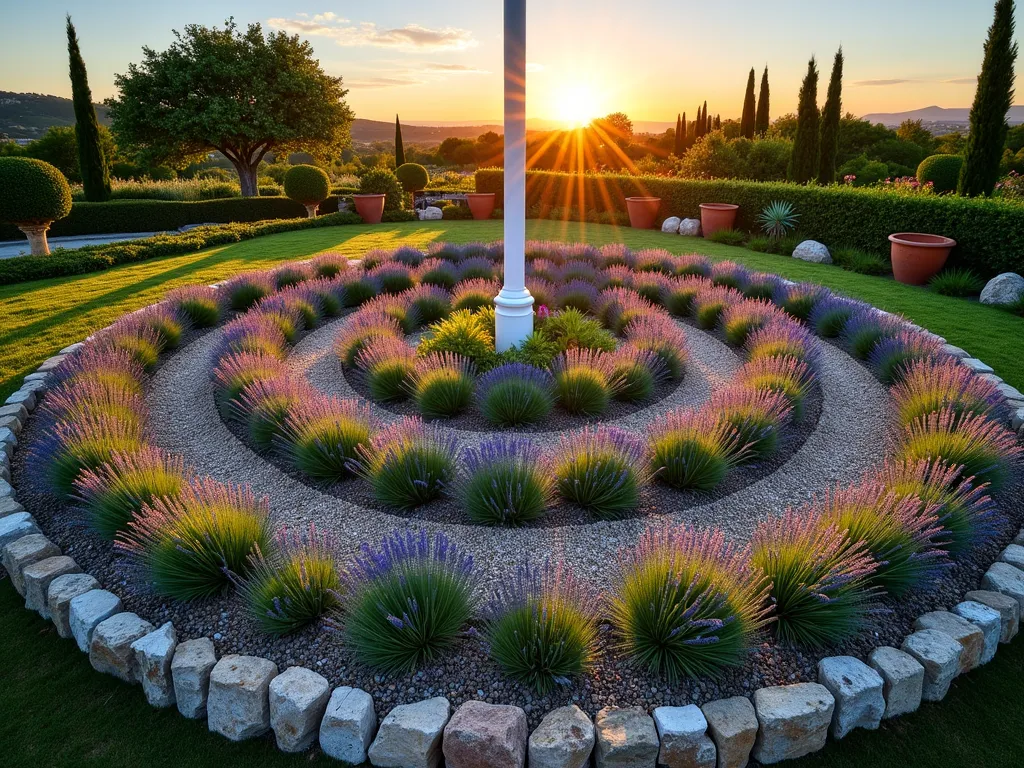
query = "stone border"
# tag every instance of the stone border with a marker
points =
(243, 697)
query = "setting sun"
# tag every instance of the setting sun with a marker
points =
(577, 104)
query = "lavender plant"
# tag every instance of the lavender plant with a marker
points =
(507, 481)
(515, 394)
(603, 470)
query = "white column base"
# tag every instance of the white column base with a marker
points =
(513, 318)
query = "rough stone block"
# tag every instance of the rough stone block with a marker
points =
(857, 689)
(793, 721)
(298, 700)
(976, 365)
(902, 680)
(110, 650)
(564, 739)
(25, 551)
(481, 735)
(1007, 607)
(1014, 555)
(16, 526)
(39, 576)
(191, 666)
(961, 630)
(60, 593)
(153, 654)
(349, 725)
(410, 735)
(19, 411)
(238, 707)
(9, 506)
(23, 397)
(987, 620)
(939, 654)
(87, 611)
(6, 489)
(732, 724)
(626, 738)
(684, 739)
(1000, 577)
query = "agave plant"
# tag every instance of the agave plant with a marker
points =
(778, 219)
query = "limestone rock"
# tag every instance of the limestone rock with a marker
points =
(298, 700)
(16, 526)
(153, 654)
(939, 654)
(38, 577)
(238, 706)
(812, 251)
(684, 739)
(793, 720)
(110, 650)
(689, 227)
(1004, 579)
(961, 630)
(191, 666)
(61, 592)
(987, 620)
(481, 735)
(1003, 289)
(25, 551)
(87, 611)
(349, 724)
(564, 739)
(1007, 607)
(857, 690)
(626, 738)
(671, 225)
(410, 735)
(902, 680)
(431, 213)
(732, 724)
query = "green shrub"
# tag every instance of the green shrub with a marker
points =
(957, 282)
(408, 463)
(514, 394)
(413, 177)
(943, 171)
(456, 213)
(34, 192)
(569, 328)
(307, 184)
(463, 333)
(862, 262)
(728, 237)
(507, 482)
(381, 181)
(442, 385)
(603, 470)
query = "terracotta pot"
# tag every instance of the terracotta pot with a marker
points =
(917, 258)
(370, 207)
(643, 211)
(481, 204)
(716, 216)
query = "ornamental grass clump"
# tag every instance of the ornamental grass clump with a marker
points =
(387, 365)
(411, 257)
(709, 304)
(244, 291)
(621, 306)
(264, 405)
(788, 375)
(112, 494)
(320, 436)
(729, 274)
(474, 294)
(112, 398)
(116, 368)
(237, 370)
(865, 328)
(69, 448)
(293, 586)
(143, 342)
(665, 338)
(253, 333)
(586, 271)
(743, 318)
(694, 449)
(358, 288)
(830, 314)
(164, 320)
(442, 384)
(761, 286)
(680, 293)
(614, 254)
(329, 265)
(328, 294)
(288, 275)
(931, 385)
(200, 305)
(543, 292)
(407, 463)
(799, 300)
(687, 603)
(819, 580)
(891, 356)
(437, 272)
(465, 333)
(585, 381)
(982, 449)
(515, 394)
(391, 277)
(476, 268)
(577, 294)
(406, 601)
(571, 329)
(652, 260)
(302, 301)
(507, 481)
(784, 339)
(374, 258)
(691, 265)
(542, 627)
(603, 470)
(617, 276)
(361, 330)
(638, 372)
(185, 547)
(429, 303)
(287, 318)
(758, 417)
(397, 307)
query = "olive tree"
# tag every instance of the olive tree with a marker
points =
(243, 94)
(38, 194)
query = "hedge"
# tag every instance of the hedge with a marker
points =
(989, 233)
(169, 215)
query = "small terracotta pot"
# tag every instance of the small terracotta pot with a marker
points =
(643, 211)
(716, 216)
(481, 204)
(917, 258)
(370, 207)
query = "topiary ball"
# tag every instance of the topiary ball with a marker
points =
(38, 192)
(414, 177)
(307, 184)
(381, 181)
(943, 171)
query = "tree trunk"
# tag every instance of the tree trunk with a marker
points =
(36, 234)
(247, 178)
(311, 210)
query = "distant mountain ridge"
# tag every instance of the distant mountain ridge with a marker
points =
(935, 114)
(28, 115)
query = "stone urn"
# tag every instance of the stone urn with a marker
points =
(481, 204)
(916, 257)
(370, 207)
(716, 216)
(643, 211)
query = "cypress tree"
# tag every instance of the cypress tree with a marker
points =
(830, 116)
(803, 165)
(91, 163)
(992, 100)
(763, 120)
(685, 138)
(399, 147)
(718, 122)
(747, 119)
(711, 124)
(697, 133)
(678, 146)
(704, 130)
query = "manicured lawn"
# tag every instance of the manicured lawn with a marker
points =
(55, 711)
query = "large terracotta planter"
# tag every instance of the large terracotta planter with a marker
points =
(481, 204)
(643, 211)
(917, 258)
(717, 216)
(370, 207)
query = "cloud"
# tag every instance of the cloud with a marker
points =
(900, 81)
(895, 81)
(411, 37)
(454, 69)
(961, 81)
(533, 66)
(381, 82)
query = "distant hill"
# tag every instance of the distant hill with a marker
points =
(28, 115)
(938, 115)
(380, 130)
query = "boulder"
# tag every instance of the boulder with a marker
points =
(153, 654)
(191, 666)
(1003, 289)
(25, 551)
(88, 610)
(969, 636)
(987, 620)
(684, 739)
(1014, 555)
(238, 707)
(481, 735)
(857, 690)
(1007, 607)
(671, 225)
(793, 721)
(902, 680)
(689, 227)
(298, 700)
(431, 213)
(60, 593)
(812, 251)
(17, 410)
(939, 654)
(732, 724)
(1004, 579)
(23, 397)
(16, 526)
(625, 738)
(410, 735)
(110, 650)
(348, 725)
(9, 506)
(564, 739)
(38, 577)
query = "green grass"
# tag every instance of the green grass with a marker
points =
(56, 711)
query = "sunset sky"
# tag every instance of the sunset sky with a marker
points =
(441, 61)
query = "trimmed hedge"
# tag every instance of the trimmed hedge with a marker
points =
(989, 233)
(169, 215)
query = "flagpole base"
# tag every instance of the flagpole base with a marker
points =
(513, 318)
